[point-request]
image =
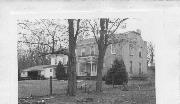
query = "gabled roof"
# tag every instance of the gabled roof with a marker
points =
(39, 67)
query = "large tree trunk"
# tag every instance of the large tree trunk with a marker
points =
(102, 49)
(71, 61)
(99, 71)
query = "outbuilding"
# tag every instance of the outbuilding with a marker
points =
(39, 72)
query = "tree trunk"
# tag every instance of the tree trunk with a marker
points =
(99, 70)
(99, 75)
(53, 44)
(102, 49)
(71, 61)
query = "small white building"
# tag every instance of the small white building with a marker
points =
(36, 72)
(39, 71)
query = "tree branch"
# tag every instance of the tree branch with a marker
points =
(114, 24)
(34, 43)
(77, 31)
(119, 25)
(46, 27)
(93, 30)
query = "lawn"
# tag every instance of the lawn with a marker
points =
(28, 88)
(140, 92)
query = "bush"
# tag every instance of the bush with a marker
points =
(117, 75)
(60, 72)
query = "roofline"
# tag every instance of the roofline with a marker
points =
(28, 69)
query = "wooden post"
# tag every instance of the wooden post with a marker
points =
(50, 85)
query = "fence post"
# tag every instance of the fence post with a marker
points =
(50, 85)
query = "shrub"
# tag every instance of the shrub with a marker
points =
(60, 72)
(117, 75)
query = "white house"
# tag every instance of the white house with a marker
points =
(133, 53)
(56, 58)
(39, 71)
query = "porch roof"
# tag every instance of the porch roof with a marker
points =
(39, 67)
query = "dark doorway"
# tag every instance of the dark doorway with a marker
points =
(33, 75)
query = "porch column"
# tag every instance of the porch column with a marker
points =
(78, 69)
(91, 68)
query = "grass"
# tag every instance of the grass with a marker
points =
(140, 92)
(28, 88)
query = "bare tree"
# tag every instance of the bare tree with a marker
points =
(40, 37)
(150, 55)
(71, 56)
(104, 34)
(43, 32)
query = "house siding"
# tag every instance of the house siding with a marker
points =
(121, 52)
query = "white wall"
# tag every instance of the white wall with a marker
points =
(24, 74)
(59, 57)
(47, 72)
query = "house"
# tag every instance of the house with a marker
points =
(37, 72)
(59, 56)
(151, 71)
(133, 53)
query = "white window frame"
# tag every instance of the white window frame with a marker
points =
(131, 67)
(76, 52)
(131, 50)
(82, 51)
(112, 49)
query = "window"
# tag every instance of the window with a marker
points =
(104, 65)
(83, 52)
(139, 68)
(76, 52)
(92, 50)
(55, 59)
(93, 67)
(131, 71)
(95, 70)
(50, 70)
(113, 49)
(131, 50)
(140, 54)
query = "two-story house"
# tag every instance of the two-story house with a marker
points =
(133, 53)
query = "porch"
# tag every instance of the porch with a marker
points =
(87, 66)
